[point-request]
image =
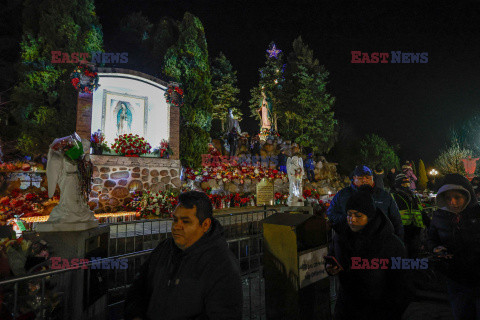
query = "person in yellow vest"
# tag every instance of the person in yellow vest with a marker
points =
(411, 213)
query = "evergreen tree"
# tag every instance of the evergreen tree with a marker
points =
(375, 150)
(187, 63)
(45, 101)
(225, 91)
(307, 115)
(422, 179)
(271, 80)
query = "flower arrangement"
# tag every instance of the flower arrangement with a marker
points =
(20, 166)
(212, 150)
(155, 205)
(82, 71)
(131, 145)
(30, 204)
(174, 95)
(228, 173)
(165, 151)
(98, 143)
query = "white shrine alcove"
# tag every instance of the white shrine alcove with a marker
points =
(126, 103)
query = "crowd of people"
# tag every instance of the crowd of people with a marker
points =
(195, 276)
(371, 224)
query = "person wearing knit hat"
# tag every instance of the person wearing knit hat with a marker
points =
(454, 233)
(362, 178)
(367, 293)
(360, 208)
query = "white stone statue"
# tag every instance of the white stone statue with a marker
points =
(232, 122)
(264, 113)
(72, 212)
(295, 174)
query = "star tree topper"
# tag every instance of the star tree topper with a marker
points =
(274, 52)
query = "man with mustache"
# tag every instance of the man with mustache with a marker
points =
(193, 275)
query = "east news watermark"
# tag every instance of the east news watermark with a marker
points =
(389, 57)
(97, 263)
(84, 57)
(394, 263)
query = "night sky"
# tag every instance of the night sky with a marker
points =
(412, 105)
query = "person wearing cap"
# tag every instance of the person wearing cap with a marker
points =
(454, 234)
(362, 177)
(367, 292)
(411, 213)
(310, 167)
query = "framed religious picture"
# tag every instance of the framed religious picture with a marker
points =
(123, 114)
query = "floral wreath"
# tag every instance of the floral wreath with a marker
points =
(174, 95)
(87, 71)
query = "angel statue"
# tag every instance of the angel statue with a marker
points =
(295, 176)
(69, 166)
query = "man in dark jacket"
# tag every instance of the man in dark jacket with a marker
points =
(391, 178)
(310, 168)
(368, 288)
(193, 275)
(232, 140)
(363, 177)
(455, 233)
(282, 161)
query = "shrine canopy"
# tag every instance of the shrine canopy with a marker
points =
(130, 102)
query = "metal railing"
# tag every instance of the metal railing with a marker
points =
(101, 292)
(132, 236)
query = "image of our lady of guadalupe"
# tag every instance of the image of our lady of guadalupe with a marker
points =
(124, 119)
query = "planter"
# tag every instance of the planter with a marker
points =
(97, 151)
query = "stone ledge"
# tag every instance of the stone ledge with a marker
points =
(98, 160)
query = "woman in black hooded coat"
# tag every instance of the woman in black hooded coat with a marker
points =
(455, 234)
(374, 293)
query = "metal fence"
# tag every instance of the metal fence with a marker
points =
(91, 292)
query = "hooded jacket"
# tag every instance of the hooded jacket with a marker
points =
(460, 234)
(370, 293)
(338, 215)
(202, 282)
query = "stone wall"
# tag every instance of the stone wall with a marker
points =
(114, 178)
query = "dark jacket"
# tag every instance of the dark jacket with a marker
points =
(282, 159)
(378, 179)
(460, 234)
(202, 282)
(391, 179)
(309, 165)
(370, 293)
(337, 215)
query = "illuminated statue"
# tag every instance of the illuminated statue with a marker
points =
(64, 162)
(123, 125)
(232, 122)
(295, 173)
(265, 112)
